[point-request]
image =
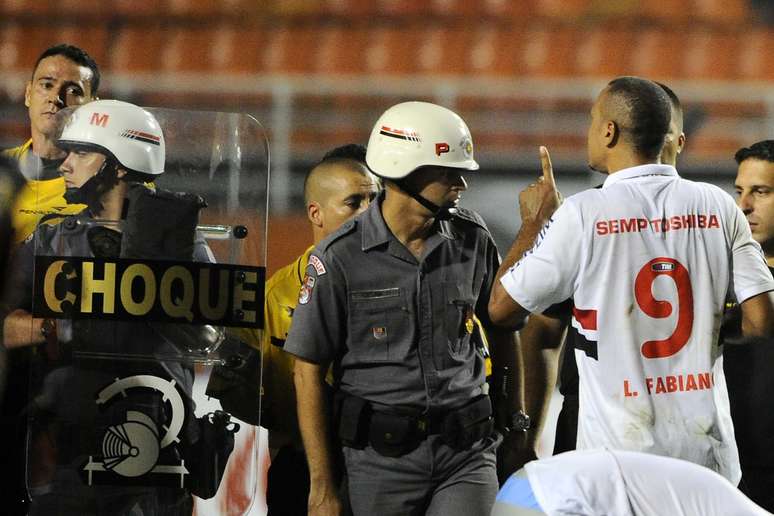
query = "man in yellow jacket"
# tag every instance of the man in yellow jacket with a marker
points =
(64, 76)
(339, 187)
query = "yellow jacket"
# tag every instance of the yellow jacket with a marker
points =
(37, 198)
(278, 408)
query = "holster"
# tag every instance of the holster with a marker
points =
(352, 414)
(468, 424)
(393, 435)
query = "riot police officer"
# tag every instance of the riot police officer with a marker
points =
(112, 409)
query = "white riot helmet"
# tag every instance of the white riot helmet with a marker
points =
(125, 132)
(411, 135)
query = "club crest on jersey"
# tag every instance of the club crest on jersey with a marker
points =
(317, 264)
(306, 289)
(662, 267)
(380, 332)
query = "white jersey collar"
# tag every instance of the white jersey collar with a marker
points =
(640, 171)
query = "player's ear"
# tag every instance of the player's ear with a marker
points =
(27, 93)
(314, 214)
(680, 143)
(611, 133)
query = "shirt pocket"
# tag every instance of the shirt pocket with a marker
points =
(381, 325)
(459, 303)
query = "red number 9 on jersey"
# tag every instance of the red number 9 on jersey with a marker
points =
(643, 293)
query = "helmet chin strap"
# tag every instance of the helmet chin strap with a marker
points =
(445, 212)
(90, 192)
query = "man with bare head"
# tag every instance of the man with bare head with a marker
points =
(648, 260)
(339, 187)
(63, 76)
(748, 368)
(755, 190)
(675, 137)
(546, 331)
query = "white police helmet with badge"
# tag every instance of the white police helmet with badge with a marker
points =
(411, 135)
(127, 133)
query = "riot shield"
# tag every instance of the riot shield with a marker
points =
(146, 327)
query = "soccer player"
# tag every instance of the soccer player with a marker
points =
(648, 260)
(550, 330)
(622, 483)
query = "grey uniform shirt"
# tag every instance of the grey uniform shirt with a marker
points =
(398, 330)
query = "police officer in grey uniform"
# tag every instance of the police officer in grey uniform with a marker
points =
(389, 301)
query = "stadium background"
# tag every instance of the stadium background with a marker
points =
(317, 74)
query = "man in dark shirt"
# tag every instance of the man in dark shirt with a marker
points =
(747, 367)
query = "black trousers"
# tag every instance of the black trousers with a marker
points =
(567, 425)
(287, 490)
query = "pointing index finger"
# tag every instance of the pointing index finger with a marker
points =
(548, 170)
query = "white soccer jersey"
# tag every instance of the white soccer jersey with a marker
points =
(648, 260)
(623, 483)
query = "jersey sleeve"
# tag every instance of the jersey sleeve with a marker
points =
(319, 327)
(547, 273)
(751, 275)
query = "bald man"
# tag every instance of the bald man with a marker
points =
(339, 187)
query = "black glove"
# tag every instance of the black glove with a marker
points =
(160, 224)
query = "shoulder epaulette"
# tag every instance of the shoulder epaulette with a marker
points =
(345, 229)
(472, 217)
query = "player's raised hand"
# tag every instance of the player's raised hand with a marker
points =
(540, 200)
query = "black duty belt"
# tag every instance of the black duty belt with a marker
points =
(394, 434)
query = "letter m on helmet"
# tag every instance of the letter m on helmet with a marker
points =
(99, 119)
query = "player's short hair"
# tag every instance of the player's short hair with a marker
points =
(642, 111)
(351, 151)
(77, 56)
(762, 150)
(673, 99)
(348, 155)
